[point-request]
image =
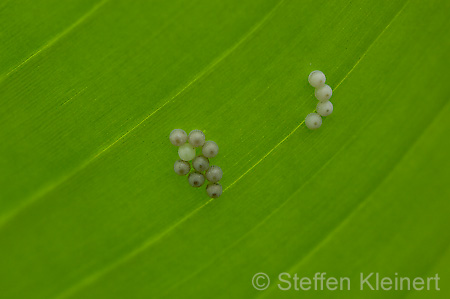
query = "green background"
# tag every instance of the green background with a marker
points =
(90, 206)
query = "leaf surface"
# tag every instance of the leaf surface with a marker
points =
(90, 206)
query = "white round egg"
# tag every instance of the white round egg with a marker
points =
(317, 79)
(324, 108)
(186, 152)
(323, 93)
(313, 121)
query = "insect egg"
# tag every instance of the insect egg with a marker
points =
(323, 93)
(196, 138)
(186, 152)
(214, 174)
(200, 163)
(178, 137)
(324, 108)
(196, 179)
(210, 149)
(313, 121)
(214, 190)
(316, 79)
(181, 167)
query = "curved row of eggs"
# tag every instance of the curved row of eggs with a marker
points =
(322, 93)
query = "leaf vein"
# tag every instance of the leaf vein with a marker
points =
(343, 79)
(56, 38)
(44, 191)
(365, 200)
(94, 277)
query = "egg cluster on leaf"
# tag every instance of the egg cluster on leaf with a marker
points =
(187, 145)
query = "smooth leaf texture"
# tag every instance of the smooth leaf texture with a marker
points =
(90, 206)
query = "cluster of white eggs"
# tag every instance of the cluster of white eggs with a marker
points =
(323, 93)
(187, 146)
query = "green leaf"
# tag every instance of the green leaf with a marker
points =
(90, 206)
